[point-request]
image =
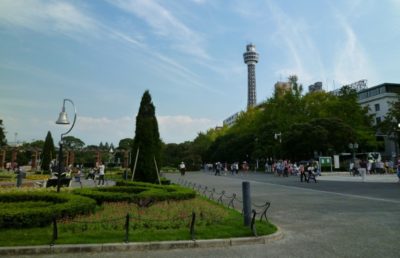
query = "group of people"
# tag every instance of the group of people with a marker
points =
(374, 167)
(76, 172)
(99, 170)
(222, 168)
(287, 168)
(308, 170)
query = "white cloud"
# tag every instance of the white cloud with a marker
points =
(166, 25)
(182, 128)
(46, 16)
(352, 63)
(395, 3)
(174, 129)
(67, 19)
(303, 56)
(199, 1)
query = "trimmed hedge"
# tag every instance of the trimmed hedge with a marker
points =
(18, 209)
(135, 192)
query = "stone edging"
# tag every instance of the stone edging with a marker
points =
(140, 246)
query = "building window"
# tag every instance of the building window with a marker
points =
(378, 120)
(377, 107)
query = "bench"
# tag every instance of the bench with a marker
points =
(63, 182)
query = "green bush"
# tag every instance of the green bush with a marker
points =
(33, 209)
(136, 191)
(165, 181)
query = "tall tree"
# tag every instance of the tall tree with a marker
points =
(147, 141)
(73, 143)
(125, 144)
(391, 123)
(48, 152)
(3, 140)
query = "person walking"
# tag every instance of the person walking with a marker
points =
(245, 167)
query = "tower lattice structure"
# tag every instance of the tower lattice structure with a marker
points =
(251, 58)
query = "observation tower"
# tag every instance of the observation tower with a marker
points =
(251, 58)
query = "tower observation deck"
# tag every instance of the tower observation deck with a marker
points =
(251, 58)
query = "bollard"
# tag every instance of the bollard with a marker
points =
(246, 203)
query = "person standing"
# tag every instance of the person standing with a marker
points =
(218, 168)
(102, 169)
(398, 168)
(182, 168)
(245, 168)
(236, 167)
(302, 173)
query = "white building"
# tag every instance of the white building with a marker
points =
(232, 119)
(378, 99)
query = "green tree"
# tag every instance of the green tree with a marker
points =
(317, 122)
(201, 144)
(147, 141)
(3, 140)
(125, 144)
(73, 143)
(48, 152)
(38, 144)
(390, 125)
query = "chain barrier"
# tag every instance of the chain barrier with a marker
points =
(210, 194)
(253, 223)
(264, 209)
(211, 197)
(219, 200)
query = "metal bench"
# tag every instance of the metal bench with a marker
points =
(63, 182)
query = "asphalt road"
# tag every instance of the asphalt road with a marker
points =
(324, 219)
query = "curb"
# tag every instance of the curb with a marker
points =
(144, 246)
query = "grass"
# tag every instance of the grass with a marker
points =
(169, 220)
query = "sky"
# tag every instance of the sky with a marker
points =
(103, 55)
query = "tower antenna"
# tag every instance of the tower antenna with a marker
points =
(250, 59)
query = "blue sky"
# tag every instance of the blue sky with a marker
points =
(189, 54)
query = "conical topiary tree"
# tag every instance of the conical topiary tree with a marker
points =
(147, 140)
(48, 152)
(3, 140)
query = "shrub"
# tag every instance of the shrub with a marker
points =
(32, 209)
(136, 191)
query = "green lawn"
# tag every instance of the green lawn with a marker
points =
(168, 220)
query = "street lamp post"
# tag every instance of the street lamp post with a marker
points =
(63, 120)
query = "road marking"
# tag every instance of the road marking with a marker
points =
(327, 192)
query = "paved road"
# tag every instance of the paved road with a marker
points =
(326, 219)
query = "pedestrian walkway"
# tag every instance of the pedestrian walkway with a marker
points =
(345, 176)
